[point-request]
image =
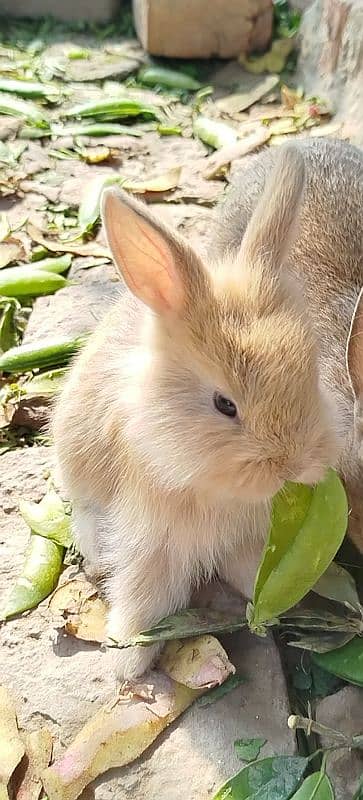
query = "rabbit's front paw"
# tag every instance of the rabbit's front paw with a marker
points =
(131, 662)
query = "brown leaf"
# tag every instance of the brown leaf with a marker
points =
(160, 183)
(217, 162)
(9, 252)
(11, 746)
(38, 752)
(56, 246)
(83, 612)
(121, 731)
(235, 103)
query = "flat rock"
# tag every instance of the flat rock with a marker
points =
(343, 711)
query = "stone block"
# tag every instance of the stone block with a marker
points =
(91, 10)
(203, 28)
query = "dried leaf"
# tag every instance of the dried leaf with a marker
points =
(11, 745)
(9, 252)
(217, 162)
(196, 663)
(323, 642)
(38, 752)
(234, 103)
(272, 61)
(120, 732)
(339, 585)
(160, 183)
(83, 612)
(56, 246)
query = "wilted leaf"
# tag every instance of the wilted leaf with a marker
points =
(315, 787)
(160, 183)
(273, 778)
(234, 103)
(188, 623)
(11, 745)
(120, 732)
(346, 662)
(48, 518)
(220, 691)
(57, 246)
(214, 133)
(307, 528)
(38, 752)
(321, 643)
(196, 663)
(321, 619)
(83, 612)
(4, 226)
(94, 155)
(9, 252)
(339, 585)
(249, 749)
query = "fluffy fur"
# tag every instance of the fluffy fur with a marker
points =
(165, 489)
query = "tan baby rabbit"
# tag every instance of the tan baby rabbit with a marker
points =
(211, 382)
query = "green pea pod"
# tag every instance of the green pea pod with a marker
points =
(23, 109)
(30, 356)
(48, 518)
(315, 787)
(94, 129)
(169, 78)
(43, 565)
(345, 662)
(56, 265)
(113, 108)
(29, 282)
(29, 88)
(307, 528)
(214, 133)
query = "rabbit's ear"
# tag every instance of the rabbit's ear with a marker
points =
(273, 225)
(157, 265)
(354, 354)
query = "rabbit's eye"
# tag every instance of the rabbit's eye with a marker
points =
(224, 406)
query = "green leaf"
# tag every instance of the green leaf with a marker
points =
(48, 518)
(339, 585)
(315, 787)
(220, 691)
(192, 622)
(346, 662)
(274, 778)
(307, 528)
(249, 749)
(322, 642)
(9, 335)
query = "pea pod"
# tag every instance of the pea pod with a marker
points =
(113, 108)
(42, 568)
(345, 662)
(14, 107)
(30, 356)
(169, 78)
(29, 281)
(28, 88)
(55, 265)
(94, 129)
(307, 528)
(214, 133)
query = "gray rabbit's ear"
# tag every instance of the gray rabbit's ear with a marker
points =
(354, 352)
(157, 264)
(273, 225)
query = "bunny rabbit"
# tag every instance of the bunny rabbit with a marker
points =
(212, 381)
